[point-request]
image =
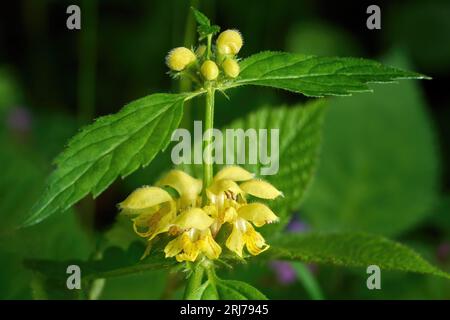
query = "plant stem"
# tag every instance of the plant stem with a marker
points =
(308, 280)
(194, 281)
(208, 48)
(208, 126)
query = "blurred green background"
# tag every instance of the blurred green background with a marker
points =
(385, 158)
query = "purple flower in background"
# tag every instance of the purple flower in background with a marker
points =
(284, 271)
(19, 120)
(296, 225)
(443, 251)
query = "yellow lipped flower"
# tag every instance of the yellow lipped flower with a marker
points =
(152, 209)
(230, 201)
(195, 224)
(195, 238)
(187, 187)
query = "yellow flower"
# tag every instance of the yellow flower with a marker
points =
(229, 42)
(187, 187)
(195, 238)
(231, 68)
(231, 205)
(179, 58)
(154, 211)
(209, 70)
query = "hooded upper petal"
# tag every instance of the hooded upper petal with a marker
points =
(220, 186)
(257, 213)
(182, 182)
(144, 198)
(233, 173)
(260, 189)
(193, 218)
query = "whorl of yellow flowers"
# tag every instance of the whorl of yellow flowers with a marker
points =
(194, 225)
(209, 66)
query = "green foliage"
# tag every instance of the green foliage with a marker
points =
(379, 164)
(308, 280)
(315, 76)
(204, 28)
(115, 262)
(226, 290)
(300, 135)
(114, 145)
(350, 249)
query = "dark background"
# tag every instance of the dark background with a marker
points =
(53, 80)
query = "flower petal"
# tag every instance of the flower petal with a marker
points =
(230, 215)
(257, 213)
(220, 186)
(209, 246)
(193, 218)
(155, 223)
(143, 198)
(254, 241)
(233, 173)
(185, 185)
(235, 241)
(260, 189)
(175, 246)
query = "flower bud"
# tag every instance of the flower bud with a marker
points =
(229, 42)
(231, 68)
(179, 58)
(209, 70)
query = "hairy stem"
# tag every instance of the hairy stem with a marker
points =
(194, 280)
(207, 152)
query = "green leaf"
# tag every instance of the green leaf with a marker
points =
(115, 262)
(215, 288)
(300, 135)
(315, 76)
(201, 18)
(204, 24)
(238, 290)
(207, 291)
(350, 249)
(379, 165)
(113, 145)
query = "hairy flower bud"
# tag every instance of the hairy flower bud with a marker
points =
(231, 68)
(179, 58)
(209, 70)
(229, 42)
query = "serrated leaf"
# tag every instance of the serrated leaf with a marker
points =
(315, 76)
(204, 31)
(350, 249)
(201, 18)
(113, 145)
(379, 165)
(216, 288)
(238, 290)
(207, 291)
(115, 262)
(204, 24)
(299, 140)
